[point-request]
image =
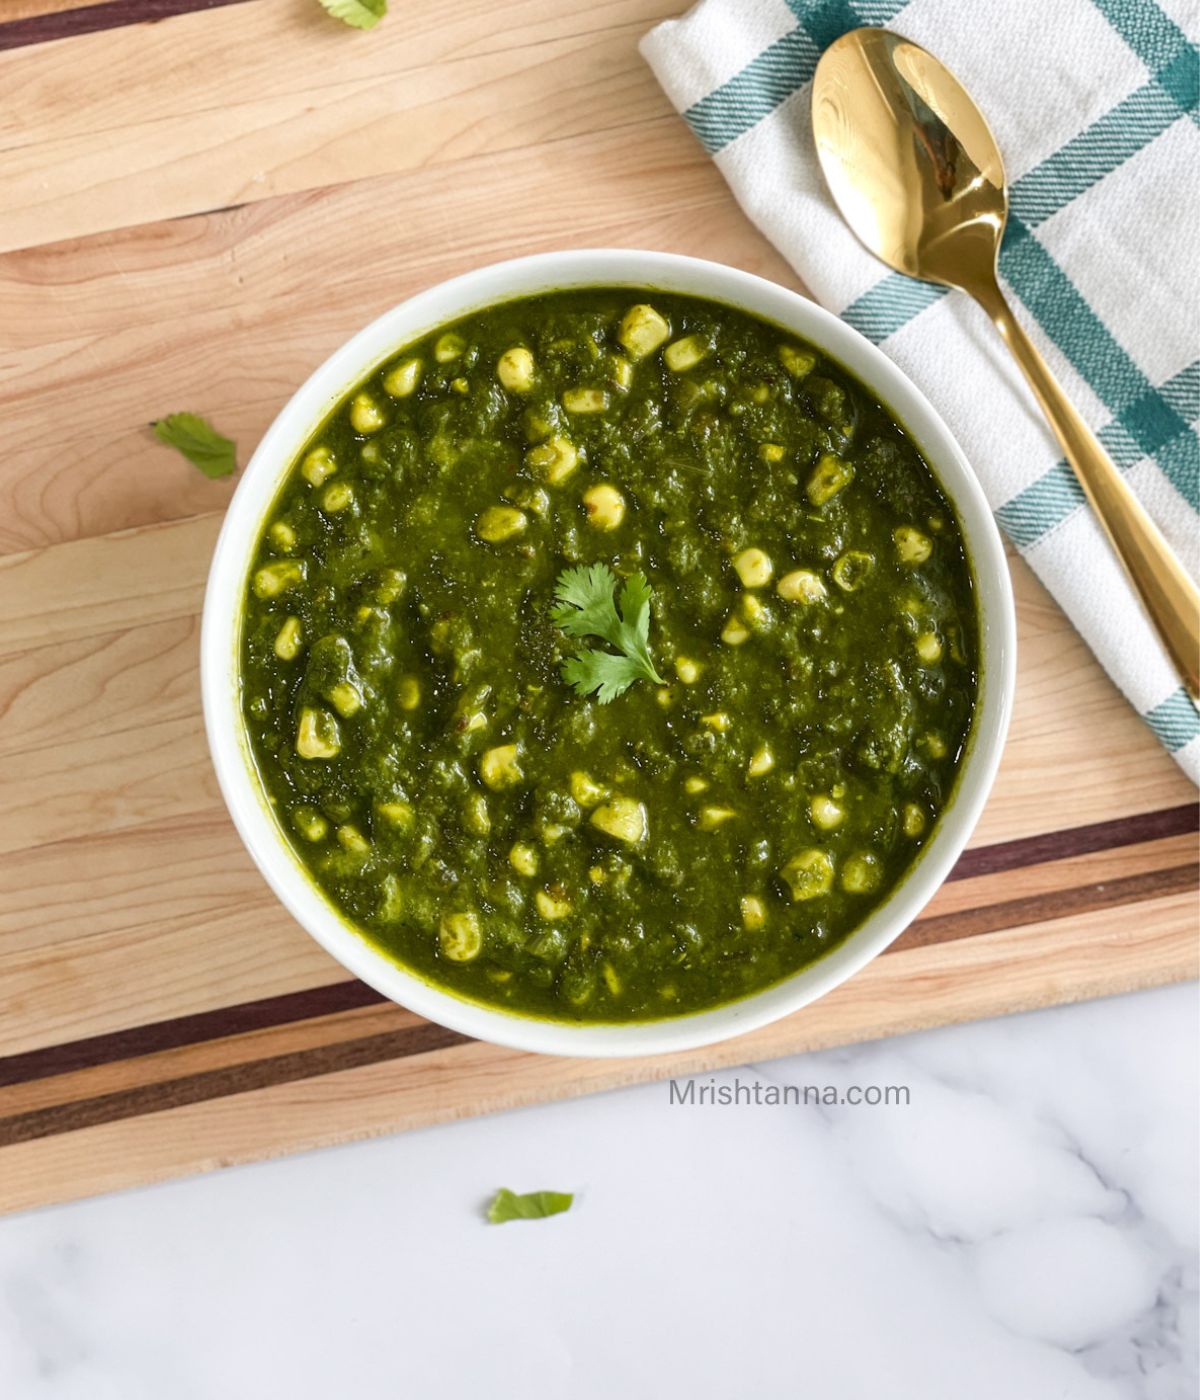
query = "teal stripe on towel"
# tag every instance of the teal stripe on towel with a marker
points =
(1152, 35)
(1096, 152)
(781, 70)
(1176, 721)
(722, 115)
(1048, 501)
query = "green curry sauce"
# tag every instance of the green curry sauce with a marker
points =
(811, 611)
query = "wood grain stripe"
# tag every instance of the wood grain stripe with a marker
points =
(91, 19)
(420, 1039)
(159, 1036)
(1042, 908)
(1077, 841)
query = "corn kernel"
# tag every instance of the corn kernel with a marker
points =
(829, 476)
(551, 906)
(584, 400)
(318, 466)
(929, 648)
(514, 369)
(365, 414)
(754, 912)
(288, 640)
(735, 632)
(336, 497)
(801, 586)
(826, 813)
(554, 459)
(585, 790)
(642, 331)
(317, 735)
(523, 858)
(402, 379)
(809, 874)
(460, 936)
(860, 874)
(449, 347)
(623, 818)
(500, 523)
(912, 546)
(753, 567)
(685, 354)
(605, 506)
(797, 362)
(277, 577)
(500, 767)
(914, 820)
(282, 535)
(762, 760)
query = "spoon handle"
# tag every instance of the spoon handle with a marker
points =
(1163, 584)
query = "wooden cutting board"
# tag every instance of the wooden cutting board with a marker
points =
(195, 211)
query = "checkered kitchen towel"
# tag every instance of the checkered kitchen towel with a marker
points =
(1094, 103)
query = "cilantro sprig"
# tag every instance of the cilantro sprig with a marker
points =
(358, 14)
(531, 1205)
(199, 442)
(586, 609)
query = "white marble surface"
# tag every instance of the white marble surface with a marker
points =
(1024, 1230)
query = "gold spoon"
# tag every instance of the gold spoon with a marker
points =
(918, 176)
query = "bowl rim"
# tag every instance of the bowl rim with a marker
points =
(348, 365)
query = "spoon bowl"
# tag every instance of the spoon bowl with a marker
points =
(909, 158)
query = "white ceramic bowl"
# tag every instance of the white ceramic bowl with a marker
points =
(352, 363)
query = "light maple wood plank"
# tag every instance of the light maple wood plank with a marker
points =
(240, 288)
(992, 975)
(149, 878)
(30, 9)
(333, 124)
(123, 779)
(306, 50)
(87, 687)
(90, 587)
(87, 985)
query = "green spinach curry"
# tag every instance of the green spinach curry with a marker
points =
(608, 657)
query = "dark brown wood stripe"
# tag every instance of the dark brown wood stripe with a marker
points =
(1077, 841)
(1055, 904)
(426, 1037)
(90, 19)
(264, 1014)
(341, 996)
(221, 1083)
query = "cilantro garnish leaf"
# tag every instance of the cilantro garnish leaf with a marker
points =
(199, 442)
(586, 609)
(358, 14)
(533, 1205)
